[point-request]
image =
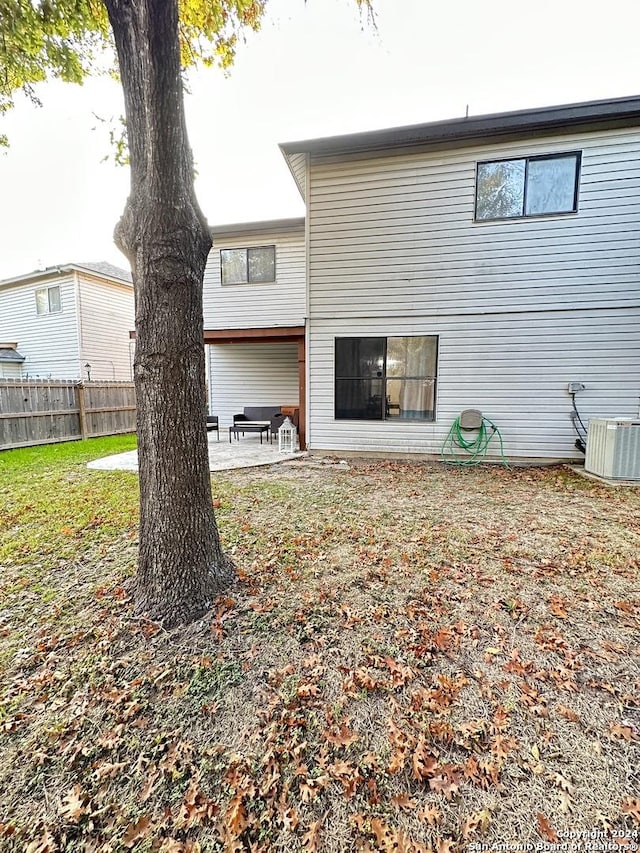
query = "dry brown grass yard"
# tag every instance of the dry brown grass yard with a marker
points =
(415, 658)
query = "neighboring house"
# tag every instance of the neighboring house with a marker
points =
(69, 322)
(484, 262)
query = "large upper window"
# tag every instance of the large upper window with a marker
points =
(48, 300)
(530, 186)
(254, 265)
(386, 378)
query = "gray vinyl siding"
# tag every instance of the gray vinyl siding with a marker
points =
(107, 316)
(404, 225)
(251, 375)
(49, 342)
(279, 303)
(513, 367)
(521, 307)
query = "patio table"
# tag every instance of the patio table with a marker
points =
(250, 426)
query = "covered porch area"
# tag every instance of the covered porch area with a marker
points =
(256, 367)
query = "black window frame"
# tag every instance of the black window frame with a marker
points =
(556, 155)
(383, 413)
(247, 250)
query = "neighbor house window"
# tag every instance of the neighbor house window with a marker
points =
(255, 265)
(48, 300)
(530, 186)
(386, 378)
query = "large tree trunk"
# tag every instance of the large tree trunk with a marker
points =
(181, 565)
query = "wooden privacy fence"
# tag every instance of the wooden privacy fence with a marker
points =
(43, 412)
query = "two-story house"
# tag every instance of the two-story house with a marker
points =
(67, 322)
(485, 262)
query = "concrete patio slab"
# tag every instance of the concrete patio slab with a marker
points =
(223, 455)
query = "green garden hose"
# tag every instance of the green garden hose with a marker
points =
(474, 445)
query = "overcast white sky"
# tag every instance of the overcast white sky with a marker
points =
(313, 70)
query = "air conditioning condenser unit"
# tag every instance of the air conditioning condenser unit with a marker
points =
(613, 449)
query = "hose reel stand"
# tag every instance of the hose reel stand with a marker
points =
(474, 447)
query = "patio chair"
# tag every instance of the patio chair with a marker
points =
(276, 423)
(213, 424)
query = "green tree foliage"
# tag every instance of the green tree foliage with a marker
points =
(41, 41)
(64, 39)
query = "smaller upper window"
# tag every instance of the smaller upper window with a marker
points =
(48, 300)
(529, 186)
(255, 265)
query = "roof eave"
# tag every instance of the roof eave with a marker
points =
(617, 112)
(49, 272)
(287, 158)
(98, 274)
(291, 224)
(58, 270)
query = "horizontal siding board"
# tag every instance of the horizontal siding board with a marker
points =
(281, 303)
(264, 374)
(339, 230)
(422, 248)
(376, 261)
(624, 272)
(567, 305)
(367, 218)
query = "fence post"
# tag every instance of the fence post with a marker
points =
(83, 410)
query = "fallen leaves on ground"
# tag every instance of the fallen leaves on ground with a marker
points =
(414, 658)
